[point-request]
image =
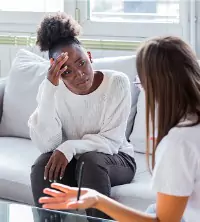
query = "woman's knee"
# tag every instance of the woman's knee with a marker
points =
(37, 177)
(94, 167)
(91, 158)
(41, 161)
(95, 175)
(93, 162)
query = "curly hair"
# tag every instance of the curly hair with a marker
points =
(57, 31)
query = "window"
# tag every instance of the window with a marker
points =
(131, 18)
(22, 16)
(134, 10)
(32, 6)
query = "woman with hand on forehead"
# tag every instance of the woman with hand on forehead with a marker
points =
(81, 117)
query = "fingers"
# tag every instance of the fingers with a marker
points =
(65, 205)
(58, 63)
(64, 60)
(51, 171)
(62, 70)
(54, 193)
(72, 191)
(47, 168)
(57, 60)
(62, 172)
(57, 171)
(52, 65)
(55, 206)
(76, 205)
(47, 200)
(51, 61)
(56, 165)
(64, 188)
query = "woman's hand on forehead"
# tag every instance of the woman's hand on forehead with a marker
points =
(56, 69)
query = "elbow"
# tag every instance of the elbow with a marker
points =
(44, 144)
(116, 147)
(42, 147)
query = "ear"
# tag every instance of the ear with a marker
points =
(90, 56)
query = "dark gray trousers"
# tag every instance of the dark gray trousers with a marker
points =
(101, 172)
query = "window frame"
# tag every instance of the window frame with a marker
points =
(24, 22)
(19, 22)
(122, 30)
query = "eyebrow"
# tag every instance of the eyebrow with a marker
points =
(74, 62)
(77, 60)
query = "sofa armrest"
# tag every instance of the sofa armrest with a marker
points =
(2, 88)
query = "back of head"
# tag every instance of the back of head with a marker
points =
(56, 31)
(170, 75)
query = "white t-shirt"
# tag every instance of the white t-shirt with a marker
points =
(177, 169)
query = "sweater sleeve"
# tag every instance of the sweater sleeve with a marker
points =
(44, 124)
(112, 133)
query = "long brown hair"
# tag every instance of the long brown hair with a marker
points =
(170, 75)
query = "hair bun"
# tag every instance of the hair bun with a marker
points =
(54, 28)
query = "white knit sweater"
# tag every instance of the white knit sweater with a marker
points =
(75, 124)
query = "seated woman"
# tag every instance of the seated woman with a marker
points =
(81, 117)
(170, 76)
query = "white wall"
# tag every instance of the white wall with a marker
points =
(8, 52)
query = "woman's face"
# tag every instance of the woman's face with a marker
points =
(79, 75)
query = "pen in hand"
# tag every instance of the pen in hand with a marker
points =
(80, 178)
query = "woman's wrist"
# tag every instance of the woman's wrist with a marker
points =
(100, 201)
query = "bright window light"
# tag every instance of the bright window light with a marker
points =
(32, 6)
(134, 10)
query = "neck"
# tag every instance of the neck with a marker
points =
(98, 79)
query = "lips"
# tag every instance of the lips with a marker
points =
(82, 82)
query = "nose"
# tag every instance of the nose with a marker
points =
(79, 73)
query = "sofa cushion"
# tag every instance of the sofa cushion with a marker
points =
(16, 159)
(137, 194)
(2, 88)
(26, 73)
(138, 135)
(125, 64)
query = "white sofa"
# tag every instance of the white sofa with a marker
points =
(17, 152)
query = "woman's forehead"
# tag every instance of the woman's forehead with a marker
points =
(74, 51)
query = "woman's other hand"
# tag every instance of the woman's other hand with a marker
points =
(56, 166)
(64, 197)
(56, 69)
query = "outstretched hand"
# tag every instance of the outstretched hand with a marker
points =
(64, 197)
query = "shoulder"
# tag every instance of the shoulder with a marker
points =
(180, 141)
(117, 80)
(177, 162)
